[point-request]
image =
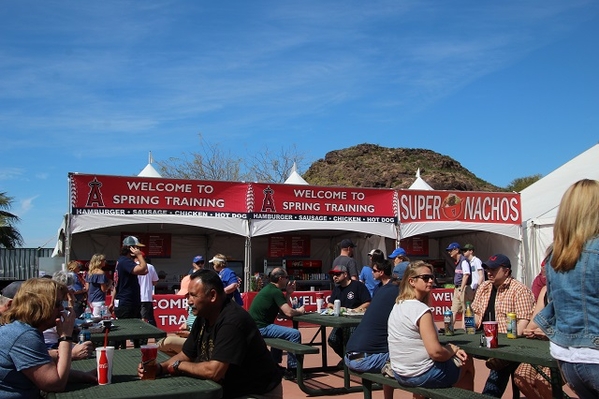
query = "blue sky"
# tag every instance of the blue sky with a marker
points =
(508, 89)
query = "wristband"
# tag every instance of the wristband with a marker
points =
(67, 339)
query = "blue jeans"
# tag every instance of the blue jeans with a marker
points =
(582, 378)
(441, 375)
(498, 379)
(337, 339)
(286, 333)
(370, 363)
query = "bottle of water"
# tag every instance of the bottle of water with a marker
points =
(87, 313)
(469, 319)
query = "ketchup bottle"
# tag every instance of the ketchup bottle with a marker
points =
(103, 368)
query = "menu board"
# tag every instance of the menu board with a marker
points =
(281, 246)
(416, 246)
(157, 245)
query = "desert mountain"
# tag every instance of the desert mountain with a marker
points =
(370, 165)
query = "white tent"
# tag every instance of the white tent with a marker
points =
(294, 177)
(540, 203)
(419, 183)
(149, 170)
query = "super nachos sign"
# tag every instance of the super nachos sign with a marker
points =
(479, 207)
(118, 195)
(335, 204)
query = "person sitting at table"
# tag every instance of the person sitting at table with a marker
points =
(527, 378)
(367, 350)
(417, 357)
(264, 310)
(570, 318)
(353, 295)
(172, 344)
(7, 295)
(495, 298)
(225, 345)
(25, 365)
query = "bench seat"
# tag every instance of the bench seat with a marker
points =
(435, 393)
(292, 347)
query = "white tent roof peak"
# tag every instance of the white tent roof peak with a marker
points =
(419, 183)
(149, 170)
(294, 177)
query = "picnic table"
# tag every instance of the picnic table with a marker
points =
(126, 385)
(324, 321)
(520, 350)
(124, 329)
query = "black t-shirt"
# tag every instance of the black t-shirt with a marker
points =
(234, 339)
(351, 296)
(371, 334)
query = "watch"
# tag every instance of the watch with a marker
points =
(173, 368)
(67, 338)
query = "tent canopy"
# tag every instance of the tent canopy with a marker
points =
(540, 203)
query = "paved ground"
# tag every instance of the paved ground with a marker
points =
(292, 391)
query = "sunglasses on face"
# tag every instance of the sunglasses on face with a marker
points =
(336, 274)
(375, 270)
(425, 277)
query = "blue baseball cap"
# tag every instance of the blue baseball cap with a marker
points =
(198, 259)
(453, 245)
(398, 252)
(496, 261)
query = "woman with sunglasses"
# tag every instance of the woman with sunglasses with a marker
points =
(417, 357)
(25, 365)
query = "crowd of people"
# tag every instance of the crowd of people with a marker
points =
(397, 336)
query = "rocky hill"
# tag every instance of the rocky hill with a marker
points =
(370, 165)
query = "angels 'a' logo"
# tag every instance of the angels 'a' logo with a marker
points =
(350, 295)
(94, 198)
(268, 204)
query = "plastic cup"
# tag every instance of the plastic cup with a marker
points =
(319, 303)
(97, 308)
(149, 353)
(490, 329)
(104, 356)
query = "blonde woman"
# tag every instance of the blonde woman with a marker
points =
(78, 287)
(230, 280)
(417, 357)
(25, 365)
(97, 283)
(570, 319)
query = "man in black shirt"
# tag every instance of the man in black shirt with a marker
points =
(353, 295)
(224, 344)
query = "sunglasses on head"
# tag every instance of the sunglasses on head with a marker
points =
(425, 277)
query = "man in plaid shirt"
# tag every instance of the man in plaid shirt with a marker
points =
(494, 299)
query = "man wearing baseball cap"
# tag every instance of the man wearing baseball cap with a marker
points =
(346, 259)
(462, 292)
(476, 267)
(495, 298)
(127, 300)
(400, 262)
(353, 295)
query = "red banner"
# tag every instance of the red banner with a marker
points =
(289, 202)
(170, 311)
(463, 206)
(118, 195)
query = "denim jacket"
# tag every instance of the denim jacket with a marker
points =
(571, 318)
